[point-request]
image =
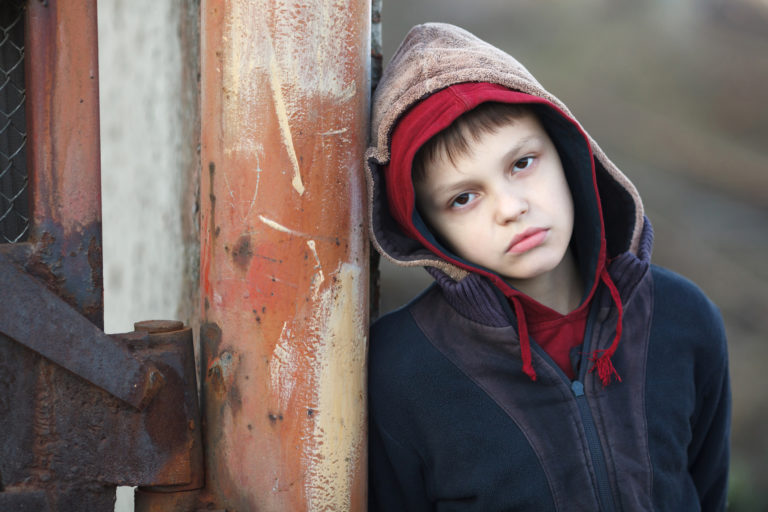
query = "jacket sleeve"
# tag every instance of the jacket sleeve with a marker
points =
(395, 475)
(709, 451)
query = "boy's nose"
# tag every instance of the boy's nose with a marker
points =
(510, 207)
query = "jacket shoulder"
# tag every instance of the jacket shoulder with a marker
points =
(683, 311)
(683, 296)
(396, 333)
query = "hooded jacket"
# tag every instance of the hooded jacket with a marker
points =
(467, 411)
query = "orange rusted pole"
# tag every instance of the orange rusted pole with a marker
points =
(285, 88)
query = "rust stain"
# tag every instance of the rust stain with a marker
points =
(95, 261)
(165, 414)
(242, 253)
(221, 376)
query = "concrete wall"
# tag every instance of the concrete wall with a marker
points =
(148, 157)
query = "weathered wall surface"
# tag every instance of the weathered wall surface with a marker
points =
(149, 132)
(143, 156)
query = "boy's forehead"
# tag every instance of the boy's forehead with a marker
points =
(517, 132)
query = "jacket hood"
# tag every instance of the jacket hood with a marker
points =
(436, 59)
(434, 56)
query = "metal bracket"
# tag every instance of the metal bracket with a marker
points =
(37, 318)
(124, 413)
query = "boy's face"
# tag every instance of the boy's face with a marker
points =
(505, 206)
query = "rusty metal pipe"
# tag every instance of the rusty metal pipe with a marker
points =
(284, 270)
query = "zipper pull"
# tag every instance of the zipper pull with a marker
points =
(578, 388)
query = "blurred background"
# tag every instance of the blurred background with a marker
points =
(675, 93)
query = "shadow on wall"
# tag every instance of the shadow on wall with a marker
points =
(670, 91)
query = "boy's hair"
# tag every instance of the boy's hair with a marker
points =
(454, 141)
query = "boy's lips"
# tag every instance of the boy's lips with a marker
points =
(527, 240)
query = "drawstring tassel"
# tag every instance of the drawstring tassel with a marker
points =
(601, 359)
(525, 342)
(604, 367)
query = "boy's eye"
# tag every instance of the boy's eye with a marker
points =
(463, 199)
(523, 163)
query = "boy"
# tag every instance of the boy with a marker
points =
(550, 366)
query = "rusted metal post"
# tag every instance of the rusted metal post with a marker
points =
(63, 251)
(63, 151)
(285, 89)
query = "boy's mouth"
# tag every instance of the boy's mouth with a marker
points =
(527, 240)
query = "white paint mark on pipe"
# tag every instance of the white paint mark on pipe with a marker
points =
(337, 434)
(256, 188)
(282, 121)
(334, 132)
(279, 227)
(282, 367)
(319, 277)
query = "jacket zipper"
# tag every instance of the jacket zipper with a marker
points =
(604, 493)
(595, 448)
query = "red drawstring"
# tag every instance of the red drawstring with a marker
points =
(601, 359)
(525, 341)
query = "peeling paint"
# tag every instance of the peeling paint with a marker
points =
(221, 372)
(318, 278)
(333, 456)
(282, 367)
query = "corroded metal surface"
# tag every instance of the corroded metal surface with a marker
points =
(49, 413)
(175, 428)
(32, 315)
(76, 436)
(66, 443)
(284, 256)
(63, 151)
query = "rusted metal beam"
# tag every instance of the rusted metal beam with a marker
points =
(284, 270)
(38, 319)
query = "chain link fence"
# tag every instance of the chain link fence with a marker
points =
(14, 203)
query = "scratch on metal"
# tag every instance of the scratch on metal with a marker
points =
(282, 119)
(279, 227)
(334, 132)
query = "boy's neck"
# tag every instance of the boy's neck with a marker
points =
(560, 289)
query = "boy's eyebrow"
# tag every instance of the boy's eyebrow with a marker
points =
(513, 151)
(520, 144)
(443, 190)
